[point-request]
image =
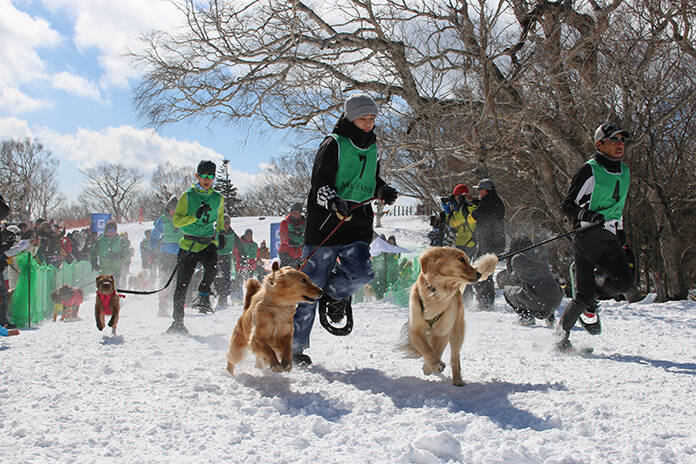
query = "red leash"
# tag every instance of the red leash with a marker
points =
(306, 260)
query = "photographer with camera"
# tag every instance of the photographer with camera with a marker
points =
(200, 215)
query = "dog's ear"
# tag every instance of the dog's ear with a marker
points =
(275, 266)
(97, 282)
(426, 261)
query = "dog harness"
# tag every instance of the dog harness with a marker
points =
(74, 301)
(106, 299)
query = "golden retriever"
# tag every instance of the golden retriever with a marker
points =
(266, 322)
(107, 302)
(436, 315)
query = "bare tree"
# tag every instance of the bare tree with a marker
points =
(511, 90)
(111, 188)
(169, 180)
(28, 175)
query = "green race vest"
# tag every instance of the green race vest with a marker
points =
(248, 250)
(610, 190)
(357, 169)
(205, 226)
(296, 233)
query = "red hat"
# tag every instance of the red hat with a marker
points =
(460, 189)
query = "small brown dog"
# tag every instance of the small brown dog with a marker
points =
(70, 299)
(266, 323)
(436, 309)
(107, 303)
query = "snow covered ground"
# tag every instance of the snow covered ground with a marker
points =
(70, 394)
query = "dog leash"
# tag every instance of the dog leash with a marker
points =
(304, 262)
(510, 254)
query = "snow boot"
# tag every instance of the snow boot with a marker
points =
(550, 320)
(589, 319)
(202, 303)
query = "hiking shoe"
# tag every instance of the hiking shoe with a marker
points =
(178, 328)
(550, 320)
(301, 359)
(336, 310)
(202, 303)
(526, 320)
(10, 326)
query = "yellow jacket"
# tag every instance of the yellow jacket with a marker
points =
(465, 226)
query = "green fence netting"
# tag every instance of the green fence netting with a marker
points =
(31, 300)
(394, 275)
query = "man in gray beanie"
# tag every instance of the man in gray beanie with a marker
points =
(340, 194)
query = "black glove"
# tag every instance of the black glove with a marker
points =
(387, 194)
(594, 217)
(221, 241)
(202, 210)
(341, 208)
(95, 265)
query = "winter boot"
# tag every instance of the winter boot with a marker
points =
(589, 319)
(202, 303)
(178, 328)
(550, 320)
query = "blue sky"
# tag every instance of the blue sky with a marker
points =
(65, 82)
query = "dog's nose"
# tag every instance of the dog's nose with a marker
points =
(478, 275)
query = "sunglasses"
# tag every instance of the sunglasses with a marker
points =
(207, 176)
(616, 139)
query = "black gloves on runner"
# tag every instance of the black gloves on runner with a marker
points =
(221, 241)
(341, 208)
(594, 217)
(387, 194)
(202, 209)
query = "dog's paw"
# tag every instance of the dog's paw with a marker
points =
(426, 369)
(277, 368)
(458, 382)
(439, 367)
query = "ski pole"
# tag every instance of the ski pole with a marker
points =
(511, 253)
(304, 262)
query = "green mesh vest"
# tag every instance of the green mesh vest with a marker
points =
(357, 169)
(205, 226)
(610, 190)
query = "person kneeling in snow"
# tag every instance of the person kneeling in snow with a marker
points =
(532, 290)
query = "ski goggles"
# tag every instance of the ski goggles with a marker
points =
(207, 176)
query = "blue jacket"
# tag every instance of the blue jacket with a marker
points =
(156, 243)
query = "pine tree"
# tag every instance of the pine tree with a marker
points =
(227, 189)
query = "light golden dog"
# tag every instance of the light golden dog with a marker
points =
(436, 315)
(107, 302)
(266, 323)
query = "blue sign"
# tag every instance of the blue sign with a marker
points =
(98, 221)
(275, 239)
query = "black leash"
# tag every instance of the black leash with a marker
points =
(150, 292)
(511, 253)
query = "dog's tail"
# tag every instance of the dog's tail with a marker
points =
(404, 345)
(486, 265)
(252, 286)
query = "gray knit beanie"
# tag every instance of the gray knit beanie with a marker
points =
(359, 105)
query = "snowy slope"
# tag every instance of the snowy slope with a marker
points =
(69, 394)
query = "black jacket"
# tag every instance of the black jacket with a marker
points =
(532, 286)
(490, 224)
(321, 220)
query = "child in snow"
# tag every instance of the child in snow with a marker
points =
(339, 186)
(200, 214)
(597, 196)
